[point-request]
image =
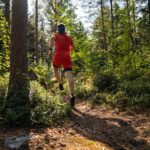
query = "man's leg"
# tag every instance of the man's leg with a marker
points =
(70, 79)
(57, 76)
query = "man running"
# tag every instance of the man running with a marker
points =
(63, 46)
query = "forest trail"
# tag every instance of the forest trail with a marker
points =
(90, 128)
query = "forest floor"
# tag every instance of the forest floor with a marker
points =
(90, 128)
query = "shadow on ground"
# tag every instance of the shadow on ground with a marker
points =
(93, 125)
(114, 132)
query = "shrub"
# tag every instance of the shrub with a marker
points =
(84, 87)
(135, 87)
(46, 109)
(105, 82)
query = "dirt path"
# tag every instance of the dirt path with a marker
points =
(90, 128)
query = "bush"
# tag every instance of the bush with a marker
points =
(99, 98)
(46, 109)
(84, 87)
(105, 82)
(138, 90)
(135, 87)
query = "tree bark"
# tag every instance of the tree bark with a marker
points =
(149, 10)
(130, 27)
(112, 17)
(7, 11)
(36, 32)
(18, 91)
(103, 25)
(134, 15)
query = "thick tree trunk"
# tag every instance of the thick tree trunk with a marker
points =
(18, 94)
(18, 56)
(36, 32)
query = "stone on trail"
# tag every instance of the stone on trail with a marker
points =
(16, 142)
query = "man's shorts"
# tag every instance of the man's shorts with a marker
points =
(62, 61)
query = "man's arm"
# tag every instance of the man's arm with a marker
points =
(51, 45)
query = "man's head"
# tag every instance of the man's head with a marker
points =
(61, 28)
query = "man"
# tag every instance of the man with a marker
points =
(63, 47)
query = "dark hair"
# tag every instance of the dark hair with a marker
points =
(61, 28)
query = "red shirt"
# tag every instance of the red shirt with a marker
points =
(63, 44)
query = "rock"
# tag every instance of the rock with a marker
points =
(16, 142)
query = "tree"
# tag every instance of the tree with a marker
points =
(130, 31)
(17, 108)
(112, 17)
(149, 10)
(7, 11)
(59, 11)
(103, 24)
(36, 31)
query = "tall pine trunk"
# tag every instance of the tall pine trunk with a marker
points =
(130, 32)
(103, 25)
(112, 17)
(17, 108)
(149, 10)
(36, 32)
(7, 11)
(134, 15)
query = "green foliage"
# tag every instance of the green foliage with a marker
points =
(106, 81)
(96, 60)
(43, 72)
(42, 43)
(84, 88)
(17, 107)
(3, 90)
(40, 70)
(43, 108)
(46, 109)
(4, 44)
(138, 89)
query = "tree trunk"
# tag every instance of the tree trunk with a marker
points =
(103, 25)
(18, 93)
(149, 10)
(36, 31)
(134, 15)
(7, 11)
(130, 32)
(112, 17)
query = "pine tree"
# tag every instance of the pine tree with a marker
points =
(36, 32)
(17, 108)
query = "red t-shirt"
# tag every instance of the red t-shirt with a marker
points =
(63, 44)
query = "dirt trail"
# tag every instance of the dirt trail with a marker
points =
(90, 128)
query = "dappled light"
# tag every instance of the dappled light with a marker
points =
(74, 75)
